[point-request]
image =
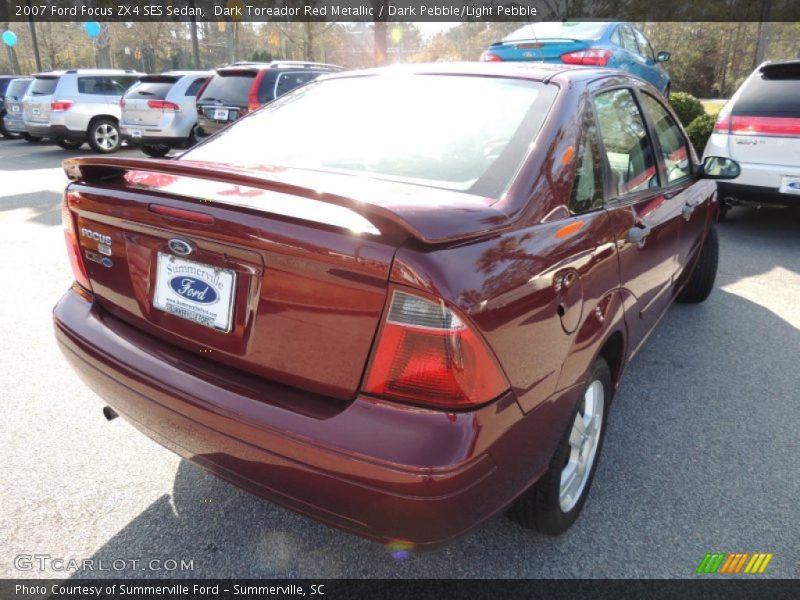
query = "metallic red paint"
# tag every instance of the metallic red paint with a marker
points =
(276, 406)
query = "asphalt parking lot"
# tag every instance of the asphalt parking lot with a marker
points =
(701, 454)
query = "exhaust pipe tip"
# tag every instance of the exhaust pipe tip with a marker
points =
(109, 413)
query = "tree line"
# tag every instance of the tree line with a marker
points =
(709, 60)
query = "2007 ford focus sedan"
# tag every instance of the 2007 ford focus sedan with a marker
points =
(396, 301)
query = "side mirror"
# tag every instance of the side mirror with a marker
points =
(663, 56)
(717, 167)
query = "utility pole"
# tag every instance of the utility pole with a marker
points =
(763, 34)
(195, 45)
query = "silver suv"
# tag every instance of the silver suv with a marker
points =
(77, 106)
(160, 113)
(11, 108)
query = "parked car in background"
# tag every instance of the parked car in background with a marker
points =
(617, 45)
(243, 87)
(11, 124)
(159, 112)
(77, 106)
(760, 128)
(398, 330)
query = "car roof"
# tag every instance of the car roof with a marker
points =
(282, 64)
(517, 70)
(87, 72)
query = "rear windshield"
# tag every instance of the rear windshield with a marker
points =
(439, 130)
(558, 31)
(229, 87)
(152, 88)
(44, 86)
(772, 91)
(16, 88)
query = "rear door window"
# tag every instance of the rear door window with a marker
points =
(16, 89)
(44, 86)
(645, 49)
(627, 39)
(229, 87)
(195, 86)
(626, 142)
(773, 91)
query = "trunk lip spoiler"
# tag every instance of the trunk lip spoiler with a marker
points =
(482, 218)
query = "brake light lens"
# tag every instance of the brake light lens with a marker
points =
(252, 96)
(490, 57)
(163, 105)
(775, 126)
(426, 354)
(61, 105)
(71, 239)
(595, 57)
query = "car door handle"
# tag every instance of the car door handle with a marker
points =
(638, 233)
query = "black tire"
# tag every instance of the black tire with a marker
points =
(69, 144)
(33, 139)
(539, 507)
(104, 136)
(193, 139)
(155, 150)
(705, 271)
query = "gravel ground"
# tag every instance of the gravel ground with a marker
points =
(701, 453)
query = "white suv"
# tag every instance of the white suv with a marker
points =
(760, 129)
(77, 106)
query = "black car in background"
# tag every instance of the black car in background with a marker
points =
(243, 87)
(4, 81)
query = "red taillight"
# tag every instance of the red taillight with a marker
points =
(425, 354)
(163, 105)
(777, 126)
(595, 57)
(722, 124)
(490, 57)
(71, 238)
(60, 105)
(252, 97)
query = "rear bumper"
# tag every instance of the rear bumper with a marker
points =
(172, 142)
(755, 194)
(14, 125)
(55, 132)
(171, 136)
(372, 468)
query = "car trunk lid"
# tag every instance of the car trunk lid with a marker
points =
(280, 281)
(536, 49)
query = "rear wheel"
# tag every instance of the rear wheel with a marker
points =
(31, 138)
(155, 150)
(69, 144)
(553, 503)
(705, 272)
(104, 136)
(5, 132)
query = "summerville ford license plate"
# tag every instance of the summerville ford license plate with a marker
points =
(194, 291)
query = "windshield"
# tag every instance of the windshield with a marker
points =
(446, 131)
(16, 89)
(557, 30)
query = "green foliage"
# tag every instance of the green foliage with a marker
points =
(686, 106)
(699, 130)
(261, 56)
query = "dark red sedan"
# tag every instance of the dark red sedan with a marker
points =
(411, 308)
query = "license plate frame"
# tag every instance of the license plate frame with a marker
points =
(136, 133)
(213, 310)
(790, 184)
(220, 114)
(35, 111)
(15, 108)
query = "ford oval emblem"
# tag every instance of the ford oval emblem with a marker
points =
(180, 247)
(193, 289)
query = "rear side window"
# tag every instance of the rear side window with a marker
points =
(674, 150)
(104, 86)
(626, 142)
(772, 91)
(44, 86)
(288, 81)
(232, 87)
(195, 86)
(645, 49)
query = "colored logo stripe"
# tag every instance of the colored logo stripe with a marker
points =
(733, 562)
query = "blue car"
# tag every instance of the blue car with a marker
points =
(598, 44)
